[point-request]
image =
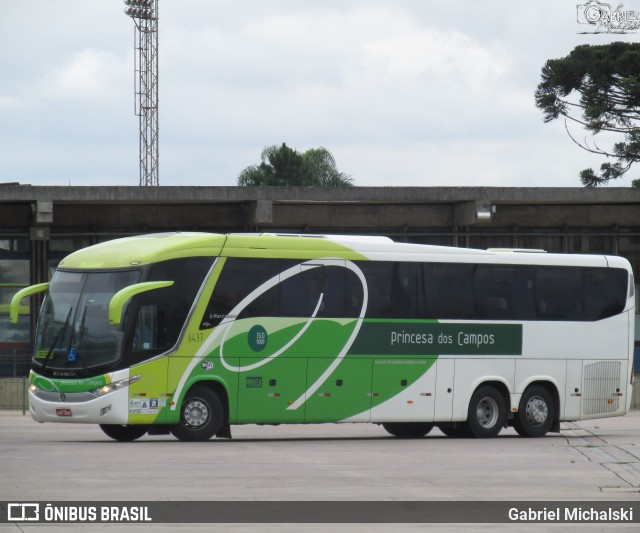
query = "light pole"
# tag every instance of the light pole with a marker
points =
(145, 16)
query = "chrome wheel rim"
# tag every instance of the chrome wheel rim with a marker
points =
(196, 413)
(487, 412)
(537, 411)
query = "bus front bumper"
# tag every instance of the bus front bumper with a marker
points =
(83, 408)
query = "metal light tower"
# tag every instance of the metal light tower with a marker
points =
(145, 16)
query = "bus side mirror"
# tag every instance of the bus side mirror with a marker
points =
(120, 298)
(14, 307)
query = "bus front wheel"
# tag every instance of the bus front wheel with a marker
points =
(487, 412)
(124, 432)
(201, 415)
(536, 413)
(408, 430)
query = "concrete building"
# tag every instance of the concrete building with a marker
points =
(40, 225)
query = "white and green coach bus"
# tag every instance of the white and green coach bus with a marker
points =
(190, 333)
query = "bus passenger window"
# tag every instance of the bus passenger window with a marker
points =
(378, 276)
(394, 289)
(449, 290)
(239, 277)
(300, 294)
(504, 292)
(559, 293)
(605, 292)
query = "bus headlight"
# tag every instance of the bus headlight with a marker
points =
(116, 385)
(34, 389)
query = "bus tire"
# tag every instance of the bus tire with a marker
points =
(536, 413)
(124, 432)
(487, 413)
(201, 415)
(408, 430)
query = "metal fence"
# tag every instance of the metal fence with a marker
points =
(14, 371)
(13, 365)
(13, 393)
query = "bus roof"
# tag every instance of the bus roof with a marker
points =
(144, 249)
(151, 248)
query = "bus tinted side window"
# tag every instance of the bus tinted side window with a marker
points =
(395, 289)
(161, 314)
(449, 290)
(605, 292)
(575, 293)
(344, 293)
(522, 292)
(340, 289)
(239, 277)
(559, 294)
(300, 294)
(296, 296)
(421, 290)
(504, 292)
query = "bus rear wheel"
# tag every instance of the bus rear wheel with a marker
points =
(201, 415)
(408, 430)
(487, 413)
(536, 413)
(124, 432)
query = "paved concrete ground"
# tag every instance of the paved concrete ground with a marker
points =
(590, 460)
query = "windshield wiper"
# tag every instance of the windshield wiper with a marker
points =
(59, 335)
(81, 341)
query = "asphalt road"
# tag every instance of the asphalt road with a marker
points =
(596, 460)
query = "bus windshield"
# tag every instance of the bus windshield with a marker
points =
(74, 334)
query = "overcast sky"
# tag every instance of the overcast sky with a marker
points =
(402, 92)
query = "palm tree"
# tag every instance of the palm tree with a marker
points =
(281, 165)
(324, 169)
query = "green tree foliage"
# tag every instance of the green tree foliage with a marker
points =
(281, 165)
(597, 87)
